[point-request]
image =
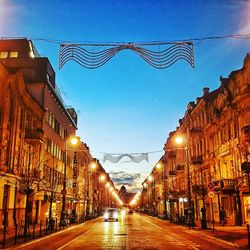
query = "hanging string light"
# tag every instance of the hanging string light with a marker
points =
(171, 53)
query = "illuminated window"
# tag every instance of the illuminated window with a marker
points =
(13, 54)
(3, 54)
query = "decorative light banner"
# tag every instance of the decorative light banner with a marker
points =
(115, 159)
(168, 53)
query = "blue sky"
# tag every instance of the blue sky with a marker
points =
(127, 106)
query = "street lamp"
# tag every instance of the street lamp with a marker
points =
(102, 178)
(180, 141)
(72, 141)
(160, 166)
(92, 167)
(151, 180)
(107, 194)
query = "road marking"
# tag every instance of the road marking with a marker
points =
(217, 239)
(75, 238)
(180, 240)
(42, 238)
(48, 236)
(152, 223)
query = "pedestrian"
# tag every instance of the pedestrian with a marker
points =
(203, 212)
(222, 216)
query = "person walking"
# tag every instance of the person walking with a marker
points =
(222, 216)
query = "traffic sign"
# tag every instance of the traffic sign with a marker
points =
(211, 194)
(211, 185)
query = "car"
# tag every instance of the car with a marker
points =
(111, 214)
(130, 211)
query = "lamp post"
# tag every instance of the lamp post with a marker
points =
(92, 167)
(151, 180)
(180, 140)
(161, 166)
(145, 197)
(73, 141)
(102, 178)
(107, 187)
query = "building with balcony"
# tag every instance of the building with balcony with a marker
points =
(21, 139)
(57, 123)
(215, 128)
(35, 127)
(216, 132)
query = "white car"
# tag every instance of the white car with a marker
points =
(111, 214)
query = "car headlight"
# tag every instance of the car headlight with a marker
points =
(115, 215)
(106, 215)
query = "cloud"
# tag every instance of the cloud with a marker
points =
(132, 181)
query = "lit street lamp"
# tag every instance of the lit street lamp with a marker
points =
(180, 140)
(72, 141)
(90, 168)
(102, 179)
(162, 167)
(151, 180)
(107, 186)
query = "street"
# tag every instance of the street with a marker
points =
(133, 231)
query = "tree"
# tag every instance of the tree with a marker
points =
(53, 185)
(33, 176)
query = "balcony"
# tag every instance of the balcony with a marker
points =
(199, 189)
(180, 168)
(197, 160)
(172, 173)
(196, 131)
(228, 184)
(34, 135)
(245, 134)
(225, 185)
(172, 153)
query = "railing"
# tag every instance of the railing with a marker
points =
(180, 168)
(10, 236)
(196, 130)
(171, 153)
(225, 184)
(197, 160)
(34, 134)
(228, 184)
(172, 172)
(199, 189)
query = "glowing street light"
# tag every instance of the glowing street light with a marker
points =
(72, 142)
(102, 178)
(180, 140)
(93, 166)
(160, 166)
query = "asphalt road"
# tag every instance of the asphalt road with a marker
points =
(134, 231)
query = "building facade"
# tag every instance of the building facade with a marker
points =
(37, 158)
(21, 138)
(205, 173)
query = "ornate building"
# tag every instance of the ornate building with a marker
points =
(36, 158)
(21, 138)
(215, 129)
(125, 196)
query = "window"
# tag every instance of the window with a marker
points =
(3, 54)
(13, 54)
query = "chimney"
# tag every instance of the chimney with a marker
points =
(205, 91)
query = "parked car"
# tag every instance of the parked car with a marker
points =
(111, 214)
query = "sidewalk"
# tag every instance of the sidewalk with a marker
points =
(235, 234)
(32, 233)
